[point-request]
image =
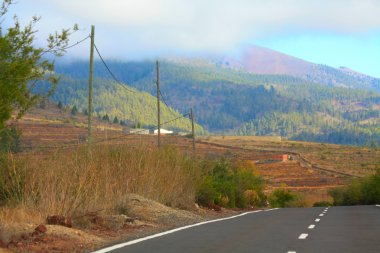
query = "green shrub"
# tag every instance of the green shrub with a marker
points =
(206, 192)
(230, 184)
(322, 204)
(10, 139)
(285, 198)
(364, 191)
(297, 201)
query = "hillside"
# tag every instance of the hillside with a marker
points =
(226, 100)
(112, 99)
(261, 60)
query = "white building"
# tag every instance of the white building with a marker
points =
(139, 131)
(162, 131)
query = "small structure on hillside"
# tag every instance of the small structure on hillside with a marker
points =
(163, 131)
(139, 131)
(183, 133)
(282, 158)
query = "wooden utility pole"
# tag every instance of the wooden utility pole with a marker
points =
(89, 130)
(192, 128)
(158, 105)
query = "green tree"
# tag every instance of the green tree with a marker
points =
(60, 105)
(10, 139)
(22, 64)
(106, 118)
(74, 110)
(116, 120)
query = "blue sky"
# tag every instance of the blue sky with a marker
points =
(331, 32)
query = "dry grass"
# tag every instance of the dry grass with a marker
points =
(355, 160)
(69, 183)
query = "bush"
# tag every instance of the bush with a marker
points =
(364, 191)
(230, 184)
(322, 204)
(10, 139)
(285, 198)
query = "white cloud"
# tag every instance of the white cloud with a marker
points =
(213, 25)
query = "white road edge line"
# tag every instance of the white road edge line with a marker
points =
(378, 205)
(311, 226)
(303, 236)
(121, 245)
(317, 220)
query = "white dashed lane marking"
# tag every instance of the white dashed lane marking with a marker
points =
(303, 236)
(311, 226)
(321, 214)
(317, 220)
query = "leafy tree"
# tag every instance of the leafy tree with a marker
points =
(116, 120)
(22, 64)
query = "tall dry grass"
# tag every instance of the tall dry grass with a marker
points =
(70, 183)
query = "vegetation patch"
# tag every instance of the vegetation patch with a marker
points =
(230, 184)
(365, 191)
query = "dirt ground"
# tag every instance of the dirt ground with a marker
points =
(145, 217)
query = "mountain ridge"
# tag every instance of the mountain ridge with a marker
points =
(261, 60)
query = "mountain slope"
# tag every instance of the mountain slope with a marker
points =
(261, 60)
(227, 100)
(113, 99)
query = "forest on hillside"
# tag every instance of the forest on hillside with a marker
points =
(228, 101)
(111, 100)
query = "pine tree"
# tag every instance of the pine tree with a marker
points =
(22, 63)
(74, 110)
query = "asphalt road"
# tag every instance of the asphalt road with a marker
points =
(336, 229)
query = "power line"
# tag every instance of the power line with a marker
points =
(68, 47)
(69, 145)
(110, 72)
(163, 99)
(77, 43)
(65, 48)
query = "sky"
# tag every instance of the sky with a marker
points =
(332, 32)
